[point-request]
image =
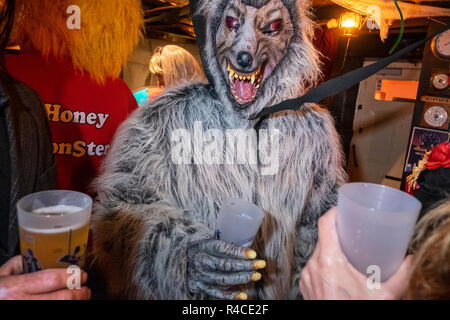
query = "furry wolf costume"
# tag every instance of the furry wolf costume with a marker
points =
(155, 217)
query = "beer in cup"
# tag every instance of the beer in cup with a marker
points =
(53, 228)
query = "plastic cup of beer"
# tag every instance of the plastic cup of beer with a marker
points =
(375, 224)
(53, 228)
(238, 222)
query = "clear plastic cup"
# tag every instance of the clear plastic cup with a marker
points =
(53, 228)
(238, 222)
(375, 224)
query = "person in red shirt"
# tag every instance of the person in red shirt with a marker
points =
(83, 114)
(73, 61)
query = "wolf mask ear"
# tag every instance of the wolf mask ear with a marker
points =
(195, 6)
(198, 19)
(195, 3)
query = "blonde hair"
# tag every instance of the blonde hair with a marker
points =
(430, 270)
(176, 65)
(109, 32)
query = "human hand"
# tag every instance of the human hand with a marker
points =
(215, 265)
(43, 285)
(328, 275)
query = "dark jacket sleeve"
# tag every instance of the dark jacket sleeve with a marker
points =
(32, 164)
(47, 179)
(37, 136)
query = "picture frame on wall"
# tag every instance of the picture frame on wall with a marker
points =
(422, 141)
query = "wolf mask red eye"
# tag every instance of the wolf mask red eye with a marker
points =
(275, 27)
(232, 23)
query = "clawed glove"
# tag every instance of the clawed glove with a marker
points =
(214, 266)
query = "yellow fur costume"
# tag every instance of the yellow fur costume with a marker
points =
(109, 31)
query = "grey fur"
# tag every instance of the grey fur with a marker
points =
(149, 209)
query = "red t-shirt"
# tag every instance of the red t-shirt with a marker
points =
(83, 114)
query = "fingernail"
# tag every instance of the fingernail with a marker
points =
(251, 254)
(256, 276)
(260, 264)
(242, 296)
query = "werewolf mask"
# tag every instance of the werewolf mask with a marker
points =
(255, 53)
(250, 43)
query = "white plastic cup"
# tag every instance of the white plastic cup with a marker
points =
(375, 224)
(238, 222)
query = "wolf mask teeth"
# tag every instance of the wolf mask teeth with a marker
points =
(244, 87)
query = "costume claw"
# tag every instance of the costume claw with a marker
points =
(256, 276)
(242, 296)
(251, 254)
(260, 264)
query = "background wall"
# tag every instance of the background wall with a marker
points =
(136, 73)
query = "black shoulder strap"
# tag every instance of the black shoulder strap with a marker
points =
(341, 83)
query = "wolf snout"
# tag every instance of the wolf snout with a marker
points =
(244, 59)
